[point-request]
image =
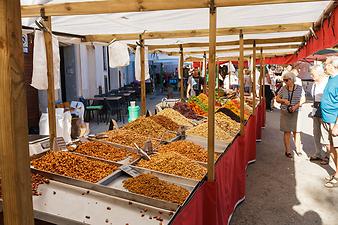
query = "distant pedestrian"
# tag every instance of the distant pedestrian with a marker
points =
(195, 84)
(268, 92)
(291, 97)
(329, 110)
(320, 81)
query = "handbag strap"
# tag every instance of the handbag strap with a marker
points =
(293, 90)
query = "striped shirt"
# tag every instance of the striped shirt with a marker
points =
(298, 93)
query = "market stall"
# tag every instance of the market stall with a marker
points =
(210, 191)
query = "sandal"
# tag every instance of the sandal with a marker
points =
(288, 154)
(329, 178)
(332, 183)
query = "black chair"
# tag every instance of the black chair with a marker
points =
(95, 107)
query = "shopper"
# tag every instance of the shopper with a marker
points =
(320, 81)
(268, 92)
(329, 110)
(291, 97)
(195, 83)
(247, 81)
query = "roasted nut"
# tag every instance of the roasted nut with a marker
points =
(151, 186)
(174, 163)
(202, 130)
(75, 166)
(104, 151)
(176, 116)
(186, 148)
(148, 127)
(166, 122)
(128, 138)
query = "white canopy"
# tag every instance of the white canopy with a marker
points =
(187, 19)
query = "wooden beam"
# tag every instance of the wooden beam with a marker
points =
(143, 80)
(261, 76)
(205, 73)
(241, 79)
(50, 75)
(14, 153)
(211, 92)
(229, 72)
(234, 58)
(230, 43)
(253, 70)
(276, 47)
(181, 72)
(276, 28)
(264, 75)
(118, 6)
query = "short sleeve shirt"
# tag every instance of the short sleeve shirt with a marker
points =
(195, 84)
(329, 101)
(297, 95)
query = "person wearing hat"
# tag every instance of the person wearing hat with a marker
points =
(195, 83)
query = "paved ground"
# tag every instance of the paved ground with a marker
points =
(283, 191)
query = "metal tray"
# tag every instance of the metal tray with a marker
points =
(103, 185)
(62, 203)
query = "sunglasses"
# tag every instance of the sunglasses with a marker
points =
(286, 80)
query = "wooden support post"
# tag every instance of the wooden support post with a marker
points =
(229, 72)
(261, 76)
(50, 75)
(143, 80)
(205, 72)
(254, 76)
(211, 92)
(217, 77)
(181, 72)
(14, 153)
(241, 79)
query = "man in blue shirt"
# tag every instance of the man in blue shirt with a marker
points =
(329, 109)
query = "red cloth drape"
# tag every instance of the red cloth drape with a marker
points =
(214, 202)
(327, 38)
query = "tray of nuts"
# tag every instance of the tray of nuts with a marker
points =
(78, 167)
(220, 146)
(148, 127)
(175, 164)
(107, 151)
(89, 173)
(128, 138)
(187, 148)
(153, 185)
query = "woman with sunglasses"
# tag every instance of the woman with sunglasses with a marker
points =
(291, 97)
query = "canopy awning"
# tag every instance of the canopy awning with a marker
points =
(265, 21)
